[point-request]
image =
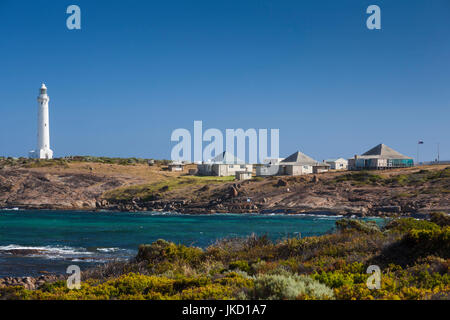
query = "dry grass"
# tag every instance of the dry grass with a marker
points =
(138, 173)
(173, 183)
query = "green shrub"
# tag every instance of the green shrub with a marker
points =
(161, 250)
(209, 292)
(406, 224)
(44, 163)
(440, 218)
(361, 177)
(337, 279)
(345, 225)
(12, 293)
(279, 287)
(50, 286)
(240, 265)
(130, 284)
(430, 240)
(185, 283)
(237, 279)
(108, 160)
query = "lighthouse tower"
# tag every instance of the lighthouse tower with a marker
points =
(43, 150)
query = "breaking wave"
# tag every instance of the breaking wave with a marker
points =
(64, 252)
(48, 251)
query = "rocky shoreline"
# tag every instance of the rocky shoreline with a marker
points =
(239, 207)
(294, 196)
(30, 283)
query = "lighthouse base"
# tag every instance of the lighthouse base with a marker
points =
(41, 154)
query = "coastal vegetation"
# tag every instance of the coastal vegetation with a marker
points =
(120, 161)
(403, 179)
(39, 163)
(154, 190)
(413, 256)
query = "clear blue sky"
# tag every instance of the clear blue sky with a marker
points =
(139, 69)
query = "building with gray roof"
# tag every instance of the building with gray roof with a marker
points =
(224, 164)
(296, 164)
(380, 157)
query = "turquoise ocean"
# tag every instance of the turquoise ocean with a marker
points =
(33, 241)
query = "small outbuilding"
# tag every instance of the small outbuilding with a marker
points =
(337, 164)
(175, 166)
(243, 175)
(321, 167)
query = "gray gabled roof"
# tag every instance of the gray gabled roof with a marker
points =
(226, 158)
(382, 151)
(300, 158)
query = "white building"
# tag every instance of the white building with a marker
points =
(296, 164)
(175, 166)
(321, 167)
(243, 175)
(225, 164)
(337, 164)
(43, 150)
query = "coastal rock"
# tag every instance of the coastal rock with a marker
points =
(234, 192)
(31, 283)
(101, 203)
(22, 252)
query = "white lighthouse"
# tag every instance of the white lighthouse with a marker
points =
(43, 150)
